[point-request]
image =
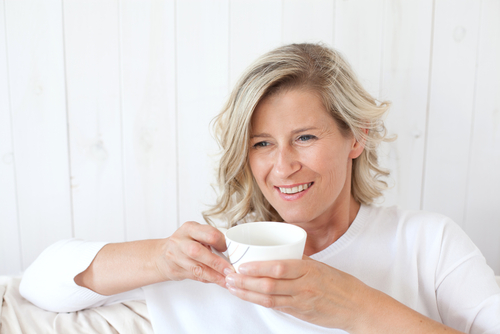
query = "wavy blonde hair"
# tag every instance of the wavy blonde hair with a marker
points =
(305, 66)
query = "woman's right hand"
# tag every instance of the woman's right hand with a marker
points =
(187, 255)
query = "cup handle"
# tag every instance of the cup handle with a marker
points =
(215, 251)
(222, 255)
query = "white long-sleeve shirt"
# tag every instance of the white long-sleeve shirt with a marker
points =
(423, 260)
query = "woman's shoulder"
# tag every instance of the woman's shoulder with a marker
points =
(419, 219)
(430, 229)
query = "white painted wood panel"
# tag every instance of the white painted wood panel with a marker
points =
(10, 246)
(147, 40)
(482, 216)
(39, 126)
(145, 78)
(404, 81)
(202, 87)
(358, 35)
(255, 27)
(456, 27)
(93, 91)
(308, 21)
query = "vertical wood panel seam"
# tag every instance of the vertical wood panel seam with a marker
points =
(229, 47)
(176, 116)
(120, 108)
(427, 112)
(282, 21)
(66, 103)
(18, 221)
(382, 53)
(381, 80)
(474, 93)
(334, 16)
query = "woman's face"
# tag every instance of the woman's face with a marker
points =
(299, 158)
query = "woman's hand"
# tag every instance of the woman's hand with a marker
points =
(187, 255)
(125, 266)
(307, 289)
(322, 295)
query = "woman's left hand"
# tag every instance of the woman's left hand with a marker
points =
(306, 289)
(322, 295)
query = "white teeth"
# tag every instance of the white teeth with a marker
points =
(295, 190)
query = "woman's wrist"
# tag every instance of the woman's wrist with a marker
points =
(157, 265)
(120, 267)
(380, 313)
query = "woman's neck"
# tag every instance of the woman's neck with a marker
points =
(320, 235)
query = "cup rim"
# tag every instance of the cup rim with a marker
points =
(292, 226)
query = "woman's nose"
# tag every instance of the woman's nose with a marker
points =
(286, 163)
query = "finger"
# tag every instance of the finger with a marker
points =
(202, 273)
(285, 269)
(207, 235)
(263, 285)
(203, 256)
(269, 301)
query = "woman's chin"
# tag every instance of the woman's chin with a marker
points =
(296, 219)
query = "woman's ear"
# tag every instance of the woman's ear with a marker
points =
(358, 146)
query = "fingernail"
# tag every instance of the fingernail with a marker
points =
(243, 270)
(230, 280)
(231, 289)
(228, 271)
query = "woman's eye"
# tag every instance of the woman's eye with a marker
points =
(261, 144)
(304, 138)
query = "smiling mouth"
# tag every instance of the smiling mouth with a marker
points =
(294, 190)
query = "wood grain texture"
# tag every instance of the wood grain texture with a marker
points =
(148, 77)
(358, 35)
(255, 27)
(404, 81)
(10, 243)
(308, 21)
(93, 84)
(39, 125)
(454, 60)
(202, 87)
(482, 218)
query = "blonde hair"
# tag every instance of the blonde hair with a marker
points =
(307, 66)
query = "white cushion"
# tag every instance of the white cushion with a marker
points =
(17, 315)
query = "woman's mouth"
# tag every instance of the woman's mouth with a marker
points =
(295, 189)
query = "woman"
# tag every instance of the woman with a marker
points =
(299, 137)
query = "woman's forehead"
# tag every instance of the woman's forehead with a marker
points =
(296, 108)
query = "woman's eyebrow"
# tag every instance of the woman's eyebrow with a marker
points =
(266, 135)
(263, 135)
(304, 129)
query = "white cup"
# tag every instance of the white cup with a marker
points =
(264, 241)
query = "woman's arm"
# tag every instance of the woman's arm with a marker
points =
(314, 292)
(120, 267)
(74, 274)
(186, 254)
(49, 280)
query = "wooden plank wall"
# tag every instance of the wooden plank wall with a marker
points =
(36, 94)
(105, 108)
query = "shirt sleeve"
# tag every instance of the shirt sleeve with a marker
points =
(49, 281)
(467, 293)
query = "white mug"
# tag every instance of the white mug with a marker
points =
(263, 241)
